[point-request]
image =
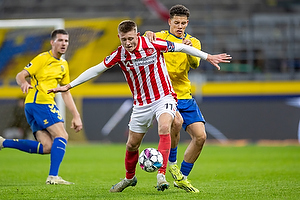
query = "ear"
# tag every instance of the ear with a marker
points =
(51, 42)
(169, 22)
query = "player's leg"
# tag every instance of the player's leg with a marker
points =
(164, 128)
(58, 149)
(175, 137)
(198, 135)
(29, 146)
(131, 158)
(194, 125)
(165, 111)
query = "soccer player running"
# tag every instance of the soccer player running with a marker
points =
(178, 65)
(143, 66)
(46, 71)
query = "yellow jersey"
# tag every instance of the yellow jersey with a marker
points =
(179, 64)
(46, 72)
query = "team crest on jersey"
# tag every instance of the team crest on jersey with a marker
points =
(150, 51)
(62, 68)
(29, 65)
(171, 46)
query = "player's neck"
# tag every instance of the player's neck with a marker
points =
(56, 55)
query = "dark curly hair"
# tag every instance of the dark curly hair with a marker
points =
(179, 10)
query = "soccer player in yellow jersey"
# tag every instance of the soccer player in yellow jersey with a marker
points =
(178, 65)
(46, 71)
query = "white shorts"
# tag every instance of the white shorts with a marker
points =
(142, 116)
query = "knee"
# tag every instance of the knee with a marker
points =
(47, 147)
(177, 123)
(131, 146)
(200, 138)
(164, 129)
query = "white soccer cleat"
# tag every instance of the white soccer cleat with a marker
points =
(57, 180)
(1, 142)
(162, 183)
(119, 187)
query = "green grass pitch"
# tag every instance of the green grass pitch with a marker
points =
(221, 172)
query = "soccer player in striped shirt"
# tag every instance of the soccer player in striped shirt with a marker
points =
(46, 71)
(144, 68)
(179, 65)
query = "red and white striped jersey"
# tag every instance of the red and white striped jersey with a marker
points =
(144, 69)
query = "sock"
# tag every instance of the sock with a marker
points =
(131, 159)
(164, 146)
(186, 168)
(29, 146)
(58, 150)
(173, 155)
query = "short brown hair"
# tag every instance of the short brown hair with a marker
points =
(58, 31)
(126, 26)
(179, 10)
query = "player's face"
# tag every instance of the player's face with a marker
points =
(178, 25)
(60, 44)
(129, 40)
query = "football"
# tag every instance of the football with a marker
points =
(150, 160)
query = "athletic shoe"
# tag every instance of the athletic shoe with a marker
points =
(162, 184)
(185, 185)
(119, 187)
(175, 172)
(1, 142)
(57, 180)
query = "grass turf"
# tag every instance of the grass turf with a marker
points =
(221, 172)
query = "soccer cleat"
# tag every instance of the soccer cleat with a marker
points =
(1, 142)
(162, 184)
(57, 180)
(185, 185)
(175, 172)
(119, 187)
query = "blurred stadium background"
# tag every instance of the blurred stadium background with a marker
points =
(254, 98)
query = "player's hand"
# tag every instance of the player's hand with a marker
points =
(76, 124)
(219, 58)
(187, 42)
(25, 87)
(151, 36)
(60, 89)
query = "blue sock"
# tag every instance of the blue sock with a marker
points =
(58, 150)
(173, 155)
(29, 146)
(186, 168)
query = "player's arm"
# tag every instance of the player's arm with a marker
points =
(150, 35)
(213, 59)
(21, 80)
(76, 122)
(192, 60)
(83, 77)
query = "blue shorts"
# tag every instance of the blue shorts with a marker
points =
(41, 116)
(190, 112)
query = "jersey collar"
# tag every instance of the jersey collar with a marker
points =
(51, 54)
(185, 34)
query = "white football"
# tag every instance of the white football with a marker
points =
(150, 160)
